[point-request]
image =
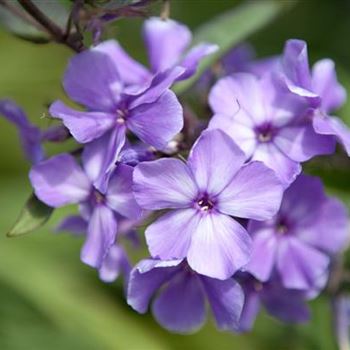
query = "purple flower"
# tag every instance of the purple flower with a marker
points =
(60, 181)
(319, 88)
(92, 79)
(268, 127)
(179, 304)
(204, 193)
(30, 135)
(288, 305)
(297, 242)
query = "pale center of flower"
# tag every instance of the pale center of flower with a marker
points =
(282, 226)
(265, 132)
(121, 116)
(205, 204)
(98, 197)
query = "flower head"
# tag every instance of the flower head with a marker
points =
(205, 193)
(60, 181)
(268, 127)
(180, 294)
(297, 243)
(319, 88)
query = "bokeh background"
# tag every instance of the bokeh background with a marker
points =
(48, 299)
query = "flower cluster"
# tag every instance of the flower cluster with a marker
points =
(240, 225)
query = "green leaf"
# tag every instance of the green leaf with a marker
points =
(230, 28)
(34, 214)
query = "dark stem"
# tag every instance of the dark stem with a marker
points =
(51, 27)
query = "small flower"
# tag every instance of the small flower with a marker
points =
(297, 243)
(204, 193)
(268, 127)
(319, 88)
(288, 305)
(60, 181)
(179, 304)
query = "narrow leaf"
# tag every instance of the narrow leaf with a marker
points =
(34, 214)
(230, 28)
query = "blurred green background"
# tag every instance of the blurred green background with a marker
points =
(48, 299)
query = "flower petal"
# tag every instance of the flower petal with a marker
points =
(146, 278)
(226, 300)
(254, 193)
(158, 122)
(74, 224)
(130, 71)
(115, 263)
(119, 194)
(214, 160)
(166, 40)
(169, 237)
(30, 135)
(330, 230)
(250, 310)
(90, 79)
(300, 265)
(101, 235)
(264, 251)
(101, 155)
(193, 58)
(59, 181)
(84, 126)
(285, 168)
(325, 125)
(238, 128)
(164, 183)
(222, 240)
(302, 143)
(180, 307)
(326, 85)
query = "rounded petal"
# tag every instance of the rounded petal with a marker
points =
(169, 236)
(222, 240)
(84, 126)
(226, 300)
(262, 260)
(301, 143)
(119, 195)
(146, 278)
(214, 160)
(164, 183)
(326, 85)
(180, 307)
(158, 122)
(300, 265)
(59, 181)
(89, 80)
(166, 40)
(101, 235)
(240, 91)
(100, 156)
(330, 230)
(250, 310)
(130, 71)
(285, 168)
(254, 193)
(238, 128)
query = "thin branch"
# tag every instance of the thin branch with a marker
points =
(18, 12)
(53, 29)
